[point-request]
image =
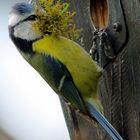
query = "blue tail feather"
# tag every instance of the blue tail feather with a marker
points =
(103, 122)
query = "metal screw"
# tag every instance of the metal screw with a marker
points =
(116, 27)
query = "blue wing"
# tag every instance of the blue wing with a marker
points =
(58, 77)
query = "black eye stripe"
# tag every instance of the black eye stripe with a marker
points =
(31, 18)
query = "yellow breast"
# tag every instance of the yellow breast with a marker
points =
(83, 69)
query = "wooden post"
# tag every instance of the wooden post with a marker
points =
(120, 83)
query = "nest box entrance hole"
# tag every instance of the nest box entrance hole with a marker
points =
(99, 13)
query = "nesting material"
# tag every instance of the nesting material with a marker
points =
(56, 19)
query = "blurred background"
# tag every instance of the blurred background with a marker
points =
(29, 109)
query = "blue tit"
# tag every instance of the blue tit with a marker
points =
(63, 64)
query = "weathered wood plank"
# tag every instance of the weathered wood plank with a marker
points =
(120, 83)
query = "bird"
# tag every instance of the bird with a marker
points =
(62, 63)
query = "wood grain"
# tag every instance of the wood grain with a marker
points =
(120, 83)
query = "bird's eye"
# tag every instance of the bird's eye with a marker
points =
(32, 17)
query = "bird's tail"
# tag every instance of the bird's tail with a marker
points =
(103, 122)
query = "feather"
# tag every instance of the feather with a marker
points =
(22, 8)
(103, 122)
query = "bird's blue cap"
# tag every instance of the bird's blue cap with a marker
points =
(23, 8)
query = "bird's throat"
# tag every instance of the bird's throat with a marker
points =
(22, 44)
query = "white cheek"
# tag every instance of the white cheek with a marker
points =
(14, 19)
(26, 31)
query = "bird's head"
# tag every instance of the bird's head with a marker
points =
(28, 23)
(21, 25)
